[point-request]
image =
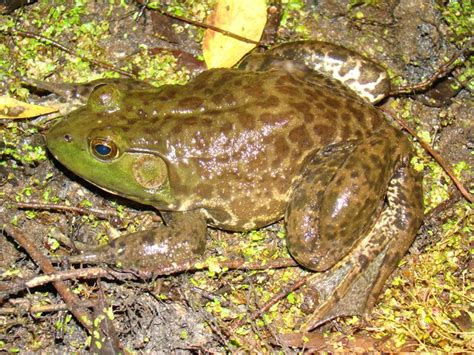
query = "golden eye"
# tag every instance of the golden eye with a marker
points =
(103, 149)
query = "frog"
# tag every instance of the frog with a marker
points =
(289, 134)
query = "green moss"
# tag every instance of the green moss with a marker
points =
(432, 289)
(361, 3)
(16, 148)
(37, 58)
(157, 70)
(294, 17)
(459, 15)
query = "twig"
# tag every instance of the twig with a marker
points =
(15, 32)
(231, 265)
(25, 305)
(74, 304)
(99, 213)
(102, 213)
(274, 300)
(105, 340)
(434, 154)
(433, 214)
(442, 71)
(101, 272)
(207, 26)
(12, 288)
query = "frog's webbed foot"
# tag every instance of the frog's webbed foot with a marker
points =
(342, 291)
(356, 249)
(182, 239)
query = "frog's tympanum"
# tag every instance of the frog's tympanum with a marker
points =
(290, 134)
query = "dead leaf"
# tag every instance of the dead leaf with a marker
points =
(245, 18)
(13, 109)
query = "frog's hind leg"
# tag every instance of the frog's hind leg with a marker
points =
(398, 225)
(364, 77)
(339, 199)
(351, 285)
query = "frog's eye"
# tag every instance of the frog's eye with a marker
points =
(103, 149)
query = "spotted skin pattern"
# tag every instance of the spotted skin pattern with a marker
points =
(289, 134)
(368, 79)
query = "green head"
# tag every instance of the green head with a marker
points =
(92, 142)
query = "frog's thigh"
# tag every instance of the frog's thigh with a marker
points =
(182, 239)
(339, 200)
(303, 210)
(353, 286)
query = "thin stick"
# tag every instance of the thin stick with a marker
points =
(207, 26)
(102, 213)
(32, 309)
(442, 71)
(11, 288)
(74, 304)
(15, 32)
(274, 300)
(434, 154)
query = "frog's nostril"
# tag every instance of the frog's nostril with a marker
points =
(67, 138)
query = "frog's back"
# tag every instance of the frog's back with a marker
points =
(242, 138)
(305, 109)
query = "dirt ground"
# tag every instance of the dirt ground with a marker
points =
(425, 306)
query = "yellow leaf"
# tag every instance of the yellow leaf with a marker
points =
(14, 109)
(245, 18)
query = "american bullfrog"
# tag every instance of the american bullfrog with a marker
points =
(290, 133)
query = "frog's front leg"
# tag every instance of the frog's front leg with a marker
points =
(182, 239)
(339, 224)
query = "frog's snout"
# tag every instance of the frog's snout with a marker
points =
(59, 133)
